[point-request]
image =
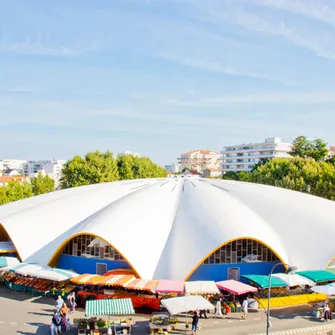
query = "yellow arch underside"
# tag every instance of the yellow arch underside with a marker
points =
(55, 257)
(230, 241)
(2, 228)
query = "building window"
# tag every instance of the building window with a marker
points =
(91, 247)
(242, 251)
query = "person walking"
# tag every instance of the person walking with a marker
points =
(218, 309)
(56, 325)
(195, 321)
(245, 304)
(327, 314)
(59, 304)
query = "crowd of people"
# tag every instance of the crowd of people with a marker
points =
(60, 321)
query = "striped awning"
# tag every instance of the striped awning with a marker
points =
(116, 280)
(85, 279)
(109, 307)
(142, 285)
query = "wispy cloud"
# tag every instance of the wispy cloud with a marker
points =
(318, 40)
(218, 68)
(314, 9)
(264, 98)
(36, 48)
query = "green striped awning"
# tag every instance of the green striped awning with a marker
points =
(263, 281)
(109, 307)
(318, 276)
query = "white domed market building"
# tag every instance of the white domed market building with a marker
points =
(175, 228)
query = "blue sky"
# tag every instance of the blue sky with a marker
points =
(160, 77)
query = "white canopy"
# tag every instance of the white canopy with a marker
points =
(325, 289)
(201, 287)
(28, 269)
(186, 304)
(294, 279)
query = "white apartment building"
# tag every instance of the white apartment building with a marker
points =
(243, 157)
(12, 164)
(52, 168)
(134, 154)
(199, 160)
(173, 168)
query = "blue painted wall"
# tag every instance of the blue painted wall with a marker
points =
(88, 265)
(219, 272)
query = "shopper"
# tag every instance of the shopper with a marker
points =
(195, 321)
(245, 305)
(218, 309)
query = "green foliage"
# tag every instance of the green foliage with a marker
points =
(304, 148)
(230, 175)
(42, 184)
(299, 174)
(97, 167)
(14, 191)
(94, 168)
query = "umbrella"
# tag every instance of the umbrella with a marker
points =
(185, 304)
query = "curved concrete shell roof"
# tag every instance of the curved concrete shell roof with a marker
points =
(165, 228)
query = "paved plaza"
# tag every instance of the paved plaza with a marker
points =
(22, 314)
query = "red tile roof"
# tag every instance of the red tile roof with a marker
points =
(7, 179)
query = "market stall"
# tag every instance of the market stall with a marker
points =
(318, 276)
(116, 280)
(170, 286)
(235, 287)
(262, 281)
(141, 285)
(109, 307)
(179, 305)
(201, 287)
(293, 280)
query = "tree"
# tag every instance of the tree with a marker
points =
(124, 165)
(304, 148)
(97, 167)
(94, 168)
(299, 174)
(17, 191)
(230, 175)
(42, 184)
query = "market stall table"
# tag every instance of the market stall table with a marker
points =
(110, 307)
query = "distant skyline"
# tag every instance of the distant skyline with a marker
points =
(162, 77)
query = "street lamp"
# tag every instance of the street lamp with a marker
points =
(289, 269)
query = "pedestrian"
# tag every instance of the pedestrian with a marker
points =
(327, 314)
(59, 304)
(72, 302)
(203, 313)
(218, 309)
(245, 305)
(195, 321)
(56, 325)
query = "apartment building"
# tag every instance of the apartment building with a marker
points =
(52, 168)
(173, 168)
(243, 157)
(199, 160)
(12, 164)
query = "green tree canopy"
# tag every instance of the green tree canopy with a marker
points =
(16, 191)
(97, 167)
(94, 168)
(302, 147)
(299, 174)
(42, 184)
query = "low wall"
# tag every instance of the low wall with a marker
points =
(328, 329)
(292, 300)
